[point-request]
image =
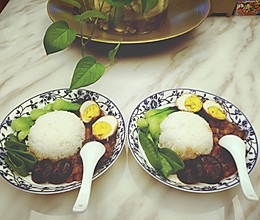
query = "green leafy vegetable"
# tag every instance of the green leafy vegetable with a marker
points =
(22, 123)
(23, 134)
(36, 113)
(58, 37)
(149, 133)
(61, 104)
(154, 122)
(48, 107)
(142, 124)
(155, 111)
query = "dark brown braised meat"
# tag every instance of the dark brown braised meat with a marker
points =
(47, 171)
(219, 129)
(204, 168)
(61, 171)
(224, 127)
(70, 169)
(211, 169)
(225, 158)
(42, 171)
(219, 164)
(189, 174)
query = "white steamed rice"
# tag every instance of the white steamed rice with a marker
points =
(188, 134)
(56, 135)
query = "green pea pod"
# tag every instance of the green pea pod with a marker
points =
(166, 169)
(28, 158)
(13, 137)
(16, 164)
(12, 144)
(150, 150)
(173, 158)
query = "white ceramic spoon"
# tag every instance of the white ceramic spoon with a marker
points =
(90, 153)
(237, 148)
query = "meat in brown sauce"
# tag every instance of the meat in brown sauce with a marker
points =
(219, 164)
(70, 169)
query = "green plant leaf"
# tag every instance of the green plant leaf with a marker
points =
(86, 72)
(74, 3)
(118, 3)
(112, 53)
(148, 5)
(58, 37)
(90, 14)
(115, 17)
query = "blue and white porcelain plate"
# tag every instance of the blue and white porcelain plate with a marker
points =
(39, 101)
(168, 97)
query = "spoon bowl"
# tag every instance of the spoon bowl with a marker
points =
(90, 153)
(236, 146)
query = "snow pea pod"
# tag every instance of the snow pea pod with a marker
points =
(28, 159)
(173, 158)
(16, 164)
(150, 150)
(14, 144)
(166, 169)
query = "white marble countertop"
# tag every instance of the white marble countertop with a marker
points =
(221, 56)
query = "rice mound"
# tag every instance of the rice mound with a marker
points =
(56, 135)
(188, 134)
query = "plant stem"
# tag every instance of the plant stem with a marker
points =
(83, 44)
(82, 40)
(85, 5)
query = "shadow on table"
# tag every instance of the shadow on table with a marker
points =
(183, 204)
(140, 50)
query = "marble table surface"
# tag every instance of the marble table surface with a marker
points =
(220, 56)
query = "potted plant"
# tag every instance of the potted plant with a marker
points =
(116, 16)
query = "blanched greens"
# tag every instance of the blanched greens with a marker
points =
(17, 156)
(164, 160)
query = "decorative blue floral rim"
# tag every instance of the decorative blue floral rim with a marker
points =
(169, 97)
(38, 101)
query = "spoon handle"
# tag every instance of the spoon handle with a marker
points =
(245, 182)
(83, 197)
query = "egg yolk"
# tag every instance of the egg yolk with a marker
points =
(216, 112)
(101, 129)
(193, 103)
(90, 112)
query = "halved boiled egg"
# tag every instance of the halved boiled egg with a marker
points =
(189, 102)
(104, 127)
(89, 111)
(214, 109)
